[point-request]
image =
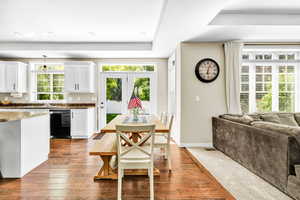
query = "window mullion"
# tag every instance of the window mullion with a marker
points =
(275, 87)
(51, 86)
(252, 90)
(297, 87)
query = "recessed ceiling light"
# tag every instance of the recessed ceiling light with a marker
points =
(92, 33)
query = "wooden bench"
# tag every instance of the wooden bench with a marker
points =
(106, 148)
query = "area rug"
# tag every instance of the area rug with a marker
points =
(240, 182)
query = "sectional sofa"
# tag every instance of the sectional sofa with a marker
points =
(268, 144)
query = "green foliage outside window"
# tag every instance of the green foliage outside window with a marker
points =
(114, 89)
(132, 68)
(143, 88)
(286, 95)
(50, 86)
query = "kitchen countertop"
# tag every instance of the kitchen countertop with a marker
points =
(13, 116)
(48, 106)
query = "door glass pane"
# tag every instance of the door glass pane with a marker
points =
(113, 98)
(143, 92)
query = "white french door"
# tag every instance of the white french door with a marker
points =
(116, 89)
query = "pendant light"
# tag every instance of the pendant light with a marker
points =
(44, 66)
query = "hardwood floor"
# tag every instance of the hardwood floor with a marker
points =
(69, 173)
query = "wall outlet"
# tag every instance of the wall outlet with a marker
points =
(197, 98)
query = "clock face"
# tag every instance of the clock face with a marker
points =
(207, 70)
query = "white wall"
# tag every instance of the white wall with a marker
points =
(195, 116)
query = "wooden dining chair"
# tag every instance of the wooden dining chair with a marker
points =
(163, 140)
(163, 117)
(135, 155)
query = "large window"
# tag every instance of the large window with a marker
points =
(269, 81)
(48, 82)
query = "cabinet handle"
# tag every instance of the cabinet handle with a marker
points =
(75, 86)
(14, 86)
(72, 115)
(78, 86)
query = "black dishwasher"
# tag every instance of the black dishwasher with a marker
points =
(60, 123)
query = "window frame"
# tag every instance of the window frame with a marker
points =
(33, 82)
(275, 63)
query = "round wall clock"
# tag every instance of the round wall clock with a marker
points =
(207, 70)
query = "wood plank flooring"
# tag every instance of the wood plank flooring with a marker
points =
(69, 173)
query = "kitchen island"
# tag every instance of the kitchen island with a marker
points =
(24, 142)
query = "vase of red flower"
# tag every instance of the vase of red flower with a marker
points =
(135, 105)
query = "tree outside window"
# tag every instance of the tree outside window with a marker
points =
(49, 82)
(267, 69)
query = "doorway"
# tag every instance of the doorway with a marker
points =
(116, 89)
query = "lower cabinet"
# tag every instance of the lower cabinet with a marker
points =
(82, 122)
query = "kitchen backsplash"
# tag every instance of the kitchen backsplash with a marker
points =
(70, 98)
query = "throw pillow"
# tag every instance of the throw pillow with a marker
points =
(271, 117)
(281, 128)
(245, 119)
(287, 119)
(297, 118)
(255, 117)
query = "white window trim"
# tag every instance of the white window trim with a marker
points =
(275, 82)
(33, 82)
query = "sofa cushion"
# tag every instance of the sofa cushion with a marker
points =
(255, 117)
(297, 118)
(287, 119)
(244, 119)
(281, 128)
(271, 117)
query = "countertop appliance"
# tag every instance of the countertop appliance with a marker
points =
(60, 123)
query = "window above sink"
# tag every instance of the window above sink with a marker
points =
(47, 82)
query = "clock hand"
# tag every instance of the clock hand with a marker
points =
(207, 70)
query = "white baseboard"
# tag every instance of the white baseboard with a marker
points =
(206, 145)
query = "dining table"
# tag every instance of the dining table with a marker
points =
(160, 127)
(106, 172)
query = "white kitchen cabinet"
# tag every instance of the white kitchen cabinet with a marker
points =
(79, 77)
(13, 77)
(82, 122)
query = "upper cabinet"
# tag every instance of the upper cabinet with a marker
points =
(79, 77)
(13, 77)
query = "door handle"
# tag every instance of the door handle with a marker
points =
(102, 105)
